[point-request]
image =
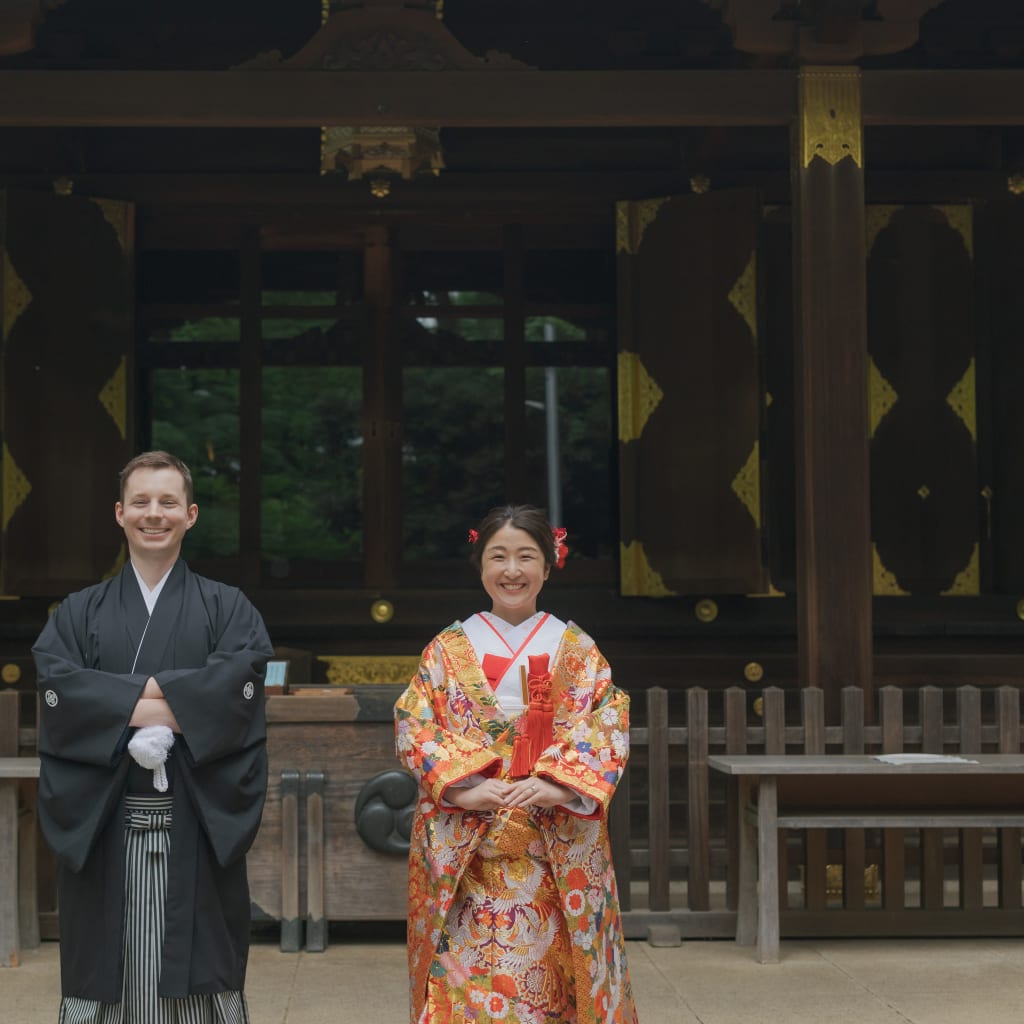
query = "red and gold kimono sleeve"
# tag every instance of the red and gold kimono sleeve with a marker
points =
(442, 737)
(591, 728)
(437, 732)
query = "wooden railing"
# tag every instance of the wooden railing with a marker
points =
(673, 826)
(674, 835)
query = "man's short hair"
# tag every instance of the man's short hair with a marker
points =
(157, 460)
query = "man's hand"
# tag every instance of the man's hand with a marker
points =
(151, 690)
(154, 711)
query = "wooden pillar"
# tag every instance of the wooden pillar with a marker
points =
(251, 412)
(382, 419)
(830, 388)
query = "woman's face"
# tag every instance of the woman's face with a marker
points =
(513, 571)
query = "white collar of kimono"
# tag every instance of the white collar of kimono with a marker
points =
(150, 596)
(512, 634)
(480, 630)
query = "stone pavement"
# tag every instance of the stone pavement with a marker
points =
(838, 981)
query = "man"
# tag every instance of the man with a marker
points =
(154, 900)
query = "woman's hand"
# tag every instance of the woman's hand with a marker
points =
(489, 795)
(493, 794)
(538, 792)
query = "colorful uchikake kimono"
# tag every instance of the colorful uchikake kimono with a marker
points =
(514, 915)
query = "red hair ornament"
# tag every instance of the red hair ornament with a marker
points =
(561, 549)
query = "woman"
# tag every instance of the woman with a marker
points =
(518, 737)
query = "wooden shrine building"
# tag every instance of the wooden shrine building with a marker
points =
(734, 288)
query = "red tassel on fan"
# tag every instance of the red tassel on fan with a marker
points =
(539, 724)
(522, 763)
(540, 717)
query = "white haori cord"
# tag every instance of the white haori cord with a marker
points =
(151, 744)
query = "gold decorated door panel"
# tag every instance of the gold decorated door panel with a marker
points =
(66, 373)
(689, 395)
(925, 488)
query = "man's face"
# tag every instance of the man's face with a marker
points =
(155, 513)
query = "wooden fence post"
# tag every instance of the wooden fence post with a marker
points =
(932, 851)
(658, 798)
(894, 858)
(774, 711)
(735, 743)
(697, 802)
(1008, 719)
(812, 701)
(968, 702)
(853, 838)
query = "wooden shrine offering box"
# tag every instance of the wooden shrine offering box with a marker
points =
(346, 733)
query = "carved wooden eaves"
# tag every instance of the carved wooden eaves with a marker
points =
(832, 32)
(385, 36)
(19, 21)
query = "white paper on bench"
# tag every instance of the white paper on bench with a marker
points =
(924, 759)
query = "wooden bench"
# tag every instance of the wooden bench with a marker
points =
(842, 791)
(19, 916)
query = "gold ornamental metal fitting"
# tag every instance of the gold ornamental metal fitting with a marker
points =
(753, 672)
(706, 610)
(10, 673)
(759, 707)
(382, 611)
(1020, 609)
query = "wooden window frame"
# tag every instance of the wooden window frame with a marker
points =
(376, 326)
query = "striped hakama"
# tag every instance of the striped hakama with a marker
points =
(147, 845)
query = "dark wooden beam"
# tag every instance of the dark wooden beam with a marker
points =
(958, 97)
(464, 98)
(197, 206)
(496, 99)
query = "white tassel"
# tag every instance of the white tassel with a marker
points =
(149, 748)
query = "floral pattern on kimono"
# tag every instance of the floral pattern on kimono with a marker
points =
(450, 726)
